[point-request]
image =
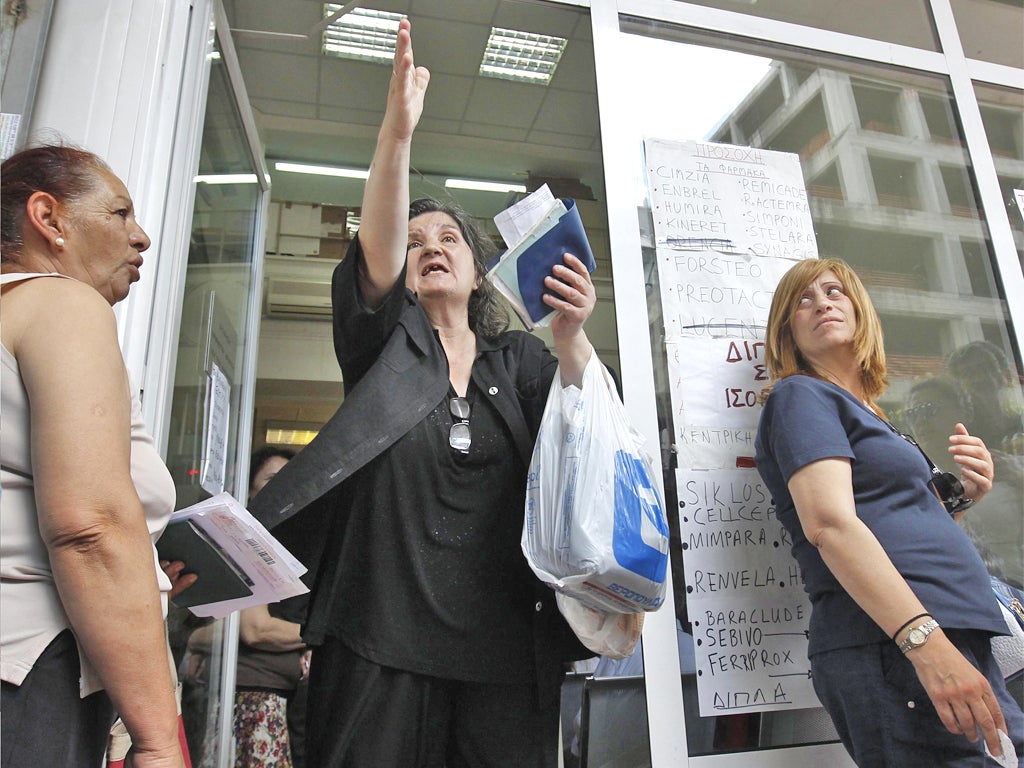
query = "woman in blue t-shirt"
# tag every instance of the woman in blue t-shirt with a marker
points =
(902, 609)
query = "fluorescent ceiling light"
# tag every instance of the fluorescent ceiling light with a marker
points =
(290, 436)
(322, 170)
(484, 186)
(361, 34)
(514, 55)
(226, 178)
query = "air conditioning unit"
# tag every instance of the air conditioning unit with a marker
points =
(297, 299)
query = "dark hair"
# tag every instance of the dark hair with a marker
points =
(979, 357)
(63, 171)
(487, 315)
(945, 388)
(262, 456)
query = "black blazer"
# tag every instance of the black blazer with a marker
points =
(393, 380)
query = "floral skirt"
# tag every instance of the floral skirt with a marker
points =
(261, 730)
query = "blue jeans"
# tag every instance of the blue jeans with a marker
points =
(867, 689)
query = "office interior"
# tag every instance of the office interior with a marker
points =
(907, 117)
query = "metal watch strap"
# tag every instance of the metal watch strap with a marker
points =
(925, 628)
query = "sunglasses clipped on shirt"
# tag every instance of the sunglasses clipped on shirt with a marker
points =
(946, 485)
(459, 436)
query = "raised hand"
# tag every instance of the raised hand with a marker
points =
(407, 89)
(976, 468)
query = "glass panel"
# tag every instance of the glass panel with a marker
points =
(217, 296)
(906, 22)
(990, 30)
(1002, 113)
(889, 190)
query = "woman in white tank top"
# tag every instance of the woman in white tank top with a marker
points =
(84, 492)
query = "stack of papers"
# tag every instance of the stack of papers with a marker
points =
(539, 231)
(239, 563)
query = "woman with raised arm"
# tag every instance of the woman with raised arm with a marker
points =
(85, 493)
(902, 611)
(435, 645)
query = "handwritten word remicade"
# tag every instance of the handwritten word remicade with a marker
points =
(758, 193)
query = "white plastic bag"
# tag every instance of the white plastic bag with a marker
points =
(595, 527)
(614, 635)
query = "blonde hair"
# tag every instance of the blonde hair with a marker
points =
(781, 356)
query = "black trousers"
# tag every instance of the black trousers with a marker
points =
(44, 721)
(362, 715)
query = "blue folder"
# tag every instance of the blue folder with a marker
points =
(542, 251)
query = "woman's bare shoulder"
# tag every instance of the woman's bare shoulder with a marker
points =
(58, 308)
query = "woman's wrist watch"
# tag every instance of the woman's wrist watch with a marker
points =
(918, 636)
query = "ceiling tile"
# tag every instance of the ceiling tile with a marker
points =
(349, 115)
(541, 20)
(287, 108)
(552, 139)
(576, 69)
(502, 102)
(438, 125)
(567, 112)
(450, 46)
(447, 97)
(292, 16)
(476, 12)
(272, 75)
(495, 131)
(348, 83)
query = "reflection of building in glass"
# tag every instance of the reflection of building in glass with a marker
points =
(891, 193)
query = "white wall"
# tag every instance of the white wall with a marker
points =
(110, 82)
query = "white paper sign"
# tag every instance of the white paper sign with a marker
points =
(735, 200)
(744, 594)
(751, 654)
(721, 381)
(728, 223)
(215, 441)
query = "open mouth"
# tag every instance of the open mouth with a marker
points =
(434, 267)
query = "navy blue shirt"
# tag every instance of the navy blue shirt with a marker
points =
(805, 420)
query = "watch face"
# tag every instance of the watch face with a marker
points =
(916, 636)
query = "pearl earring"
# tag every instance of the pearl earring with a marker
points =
(58, 241)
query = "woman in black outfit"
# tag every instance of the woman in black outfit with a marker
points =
(435, 645)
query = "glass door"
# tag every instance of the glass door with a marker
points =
(211, 407)
(886, 183)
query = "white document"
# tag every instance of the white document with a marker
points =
(273, 570)
(514, 222)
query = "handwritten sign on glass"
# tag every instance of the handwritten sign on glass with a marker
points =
(728, 222)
